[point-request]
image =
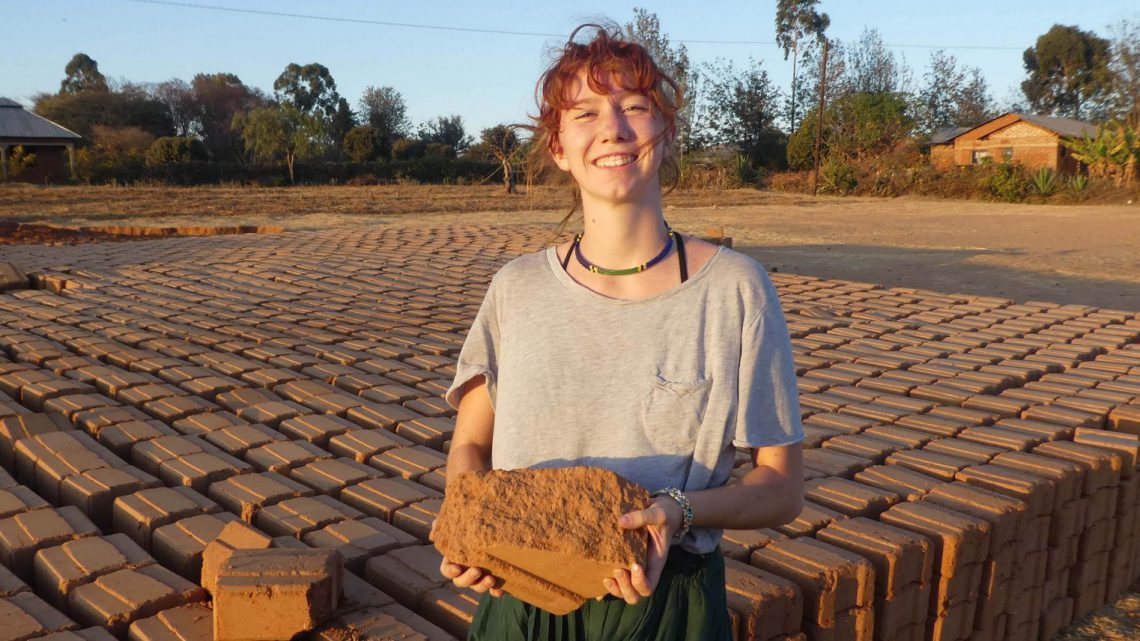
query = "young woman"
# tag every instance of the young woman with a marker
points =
(635, 349)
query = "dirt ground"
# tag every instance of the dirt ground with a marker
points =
(1071, 254)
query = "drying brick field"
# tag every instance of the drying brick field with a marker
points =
(971, 462)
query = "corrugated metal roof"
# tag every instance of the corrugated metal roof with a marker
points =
(1063, 126)
(943, 136)
(17, 122)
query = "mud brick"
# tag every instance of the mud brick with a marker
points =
(245, 397)
(959, 540)
(26, 616)
(193, 622)
(388, 622)
(387, 392)
(1125, 418)
(21, 426)
(1063, 416)
(179, 546)
(209, 387)
(907, 484)
(357, 541)
(299, 516)
(416, 518)
(901, 558)
(174, 408)
(93, 633)
(1100, 407)
(34, 395)
(939, 426)
(1066, 476)
(283, 456)
(10, 583)
(432, 432)
(116, 600)
(378, 415)
(382, 497)
(317, 428)
(122, 437)
(849, 497)
(94, 420)
(61, 569)
(824, 402)
(842, 423)
(330, 476)
(19, 499)
(835, 463)
(1038, 493)
(138, 515)
(271, 377)
(300, 391)
(738, 545)
(940, 466)
(72, 404)
(293, 591)
(897, 618)
(1057, 615)
(234, 536)
(1000, 437)
(833, 580)
(140, 394)
(362, 444)
(200, 424)
(200, 470)
(1004, 513)
(150, 455)
(22, 535)
(239, 439)
(406, 573)
(246, 494)
(942, 393)
(451, 608)
(1004, 405)
(95, 491)
(1103, 466)
(1031, 397)
(408, 462)
(271, 413)
(972, 450)
(815, 436)
(901, 437)
(1127, 445)
(1040, 430)
(810, 519)
(13, 381)
(768, 605)
(973, 416)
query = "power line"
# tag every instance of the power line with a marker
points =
(537, 34)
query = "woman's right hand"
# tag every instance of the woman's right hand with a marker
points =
(465, 576)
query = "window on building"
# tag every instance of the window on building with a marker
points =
(979, 156)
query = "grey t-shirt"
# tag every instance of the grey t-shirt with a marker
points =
(658, 390)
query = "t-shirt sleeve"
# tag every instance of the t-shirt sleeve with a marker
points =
(768, 411)
(480, 353)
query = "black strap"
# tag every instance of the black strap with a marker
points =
(681, 256)
(676, 238)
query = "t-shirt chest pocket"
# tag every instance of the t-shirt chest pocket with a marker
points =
(673, 410)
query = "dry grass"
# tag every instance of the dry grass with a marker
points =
(106, 204)
(1118, 621)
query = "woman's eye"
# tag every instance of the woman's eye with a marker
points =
(636, 108)
(583, 115)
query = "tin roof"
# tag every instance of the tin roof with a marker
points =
(17, 122)
(1063, 126)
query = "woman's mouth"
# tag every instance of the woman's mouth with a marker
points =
(616, 160)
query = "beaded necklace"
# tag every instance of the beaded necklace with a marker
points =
(629, 270)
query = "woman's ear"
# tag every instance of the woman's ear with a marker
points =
(558, 154)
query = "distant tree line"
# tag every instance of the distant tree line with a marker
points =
(874, 104)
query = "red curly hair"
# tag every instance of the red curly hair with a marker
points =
(606, 57)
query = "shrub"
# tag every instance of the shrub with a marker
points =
(1078, 183)
(361, 144)
(1045, 182)
(837, 177)
(439, 150)
(407, 149)
(1007, 182)
(171, 150)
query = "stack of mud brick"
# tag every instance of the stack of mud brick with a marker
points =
(971, 464)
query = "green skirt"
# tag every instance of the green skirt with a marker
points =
(689, 604)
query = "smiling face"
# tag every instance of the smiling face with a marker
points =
(611, 140)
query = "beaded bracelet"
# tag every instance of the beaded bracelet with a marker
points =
(686, 510)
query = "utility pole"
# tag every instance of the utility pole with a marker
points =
(819, 124)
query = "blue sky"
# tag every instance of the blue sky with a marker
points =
(487, 78)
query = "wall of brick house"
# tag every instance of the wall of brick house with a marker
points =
(51, 165)
(942, 156)
(1033, 147)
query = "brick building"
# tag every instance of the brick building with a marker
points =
(1026, 139)
(52, 145)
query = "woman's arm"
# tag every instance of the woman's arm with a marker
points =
(471, 451)
(767, 496)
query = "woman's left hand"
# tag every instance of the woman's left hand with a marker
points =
(661, 520)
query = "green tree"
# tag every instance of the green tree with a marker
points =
(182, 110)
(173, 150)
(309, 88)
(383, 109)
(645, 30)
(361, 144)
(281, 132)
(219, 97)
(951, 96)
(502, 142)
(130, 106)
(342, 122)
(1068, 71)
(855, 126)
(82, 74)
(742, 108)
(872, 68)
(446, 130)
(795, 20)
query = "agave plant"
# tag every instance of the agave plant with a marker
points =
(1045, 182)
(1078, 183)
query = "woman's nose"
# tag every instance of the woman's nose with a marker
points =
(615, 125)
